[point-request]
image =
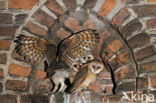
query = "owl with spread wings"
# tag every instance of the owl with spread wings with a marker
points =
(64, 63)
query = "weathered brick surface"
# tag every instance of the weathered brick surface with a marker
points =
(138, 40)
(104, 74)
(142, 83)
(42, 87)
(55, 7)
(88, 4)
(33, 28)
(16, 85)
(40, 74)
(109, 90)
(19, 19)
(19, 70)
(2, 4)
(120, 17)
(151, 24)
(72, 24)
(43, 18)
(34, 99)
(122, 59)
(125, 73)
(62, 33)
(5, 45)
(144, 10)
(115, 45)
(131, 27)
(5, 18)
(96, 87)
(145, 53)
(1, 73)
(22, 4)
(111, 98)
(153, 81)
(3, 58)
(8, 98)
(106, 8)
(148, 67)
(89, 24)
(70, 3)
(7, 31)
(129, 86)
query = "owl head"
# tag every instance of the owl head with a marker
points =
(96, 67)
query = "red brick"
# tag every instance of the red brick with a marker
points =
(2, 4)
(7, 98)
(130, 27)
(22, 4)
(96, 87)
(104, 75)
(34, 99)
(148, 67)
(62, 34)
(1, 73)
(16, 85)
(5, 18)
(144, 10)
(109, 90)
(115, 45)
(70, 3)
(3, 58)
(122, 59)
(42, 87)
(125, 73)
(34, 28)
(145, 53)
(5, 45)
(19, 19)
(142, 83)
(7, 31)
(120, 17)
(127, 86)
(151, 23)
(40, 74)
(89, 24)
(88, 4)
(153, 81)
(72, 24)
(19, 70)
(55, 7)
(107, 7)
(1, 88)
(43, 18)
(138, 40)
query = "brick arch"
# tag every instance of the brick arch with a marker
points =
(126, 46)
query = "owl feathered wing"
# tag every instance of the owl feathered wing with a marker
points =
(33, 49)
(79, 45)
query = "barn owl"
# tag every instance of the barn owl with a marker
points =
(68, 56)
(86, 75)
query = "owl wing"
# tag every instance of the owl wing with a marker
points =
(77, 46)
(33, 49)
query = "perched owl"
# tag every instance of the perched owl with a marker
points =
(86, 75)
(62, 61)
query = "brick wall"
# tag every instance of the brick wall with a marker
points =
(127, 46)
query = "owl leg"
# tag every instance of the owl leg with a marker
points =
(63, 87)
(56, 87)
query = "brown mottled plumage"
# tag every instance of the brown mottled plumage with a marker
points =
(73, 52)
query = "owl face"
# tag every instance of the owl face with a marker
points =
(96, 67)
